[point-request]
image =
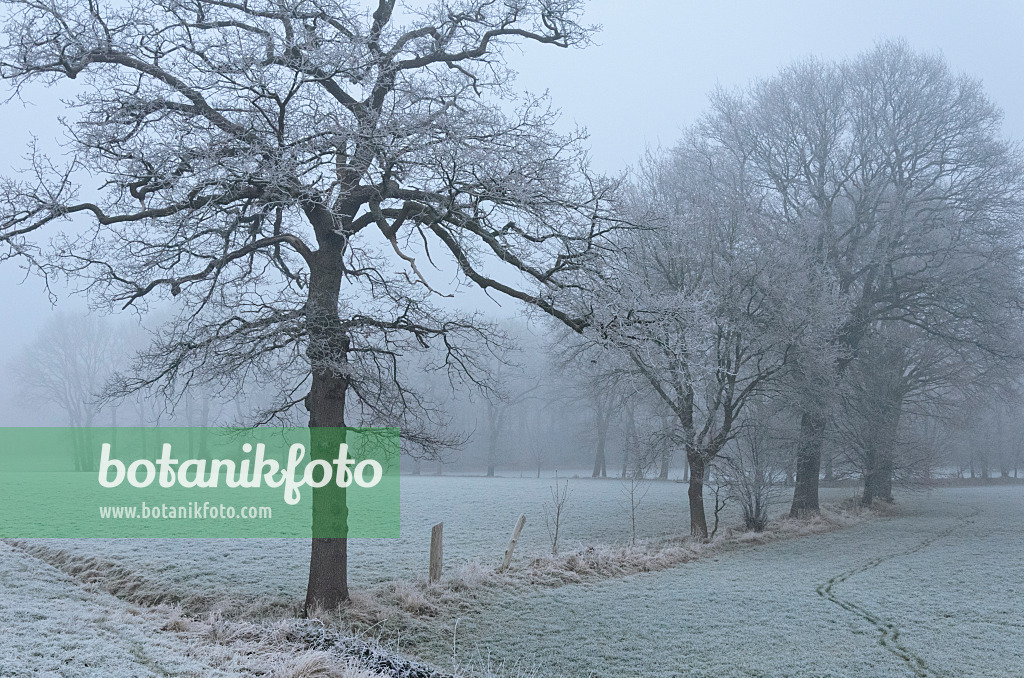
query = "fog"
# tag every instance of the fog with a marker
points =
(699, 295)
(646, 77)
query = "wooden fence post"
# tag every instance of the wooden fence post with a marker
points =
(512, 543)
(436, 551)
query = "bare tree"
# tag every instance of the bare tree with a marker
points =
(287, 171)
(901, 375)
(553, 512)
(594, 386)
(635, 485)
(705, 307)
(66, 367)
(500, 403)
(892, 169)
(67, 364)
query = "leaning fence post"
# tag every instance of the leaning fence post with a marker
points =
(512, 543)
(436, 551)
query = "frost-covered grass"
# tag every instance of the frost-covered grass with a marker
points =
(53, 625)
(940, 583)
(933, 590)
(478, 513)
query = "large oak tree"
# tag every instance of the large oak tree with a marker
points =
(307, 178)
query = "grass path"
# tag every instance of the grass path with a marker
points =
(889, 633)
(945, 600)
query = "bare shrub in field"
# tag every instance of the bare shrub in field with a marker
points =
(634, 488)
(751, 470)
(553, 513)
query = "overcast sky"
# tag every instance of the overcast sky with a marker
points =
(655, 62)
(651, 68)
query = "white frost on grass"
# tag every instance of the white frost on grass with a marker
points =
(941, 580)
(478, 515)
(953, 602)
(52, 625)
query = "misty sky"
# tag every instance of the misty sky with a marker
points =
(649, 73)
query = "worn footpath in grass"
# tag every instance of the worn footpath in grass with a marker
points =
(932, 591)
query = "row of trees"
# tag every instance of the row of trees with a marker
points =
(842, 238)
(308, 181)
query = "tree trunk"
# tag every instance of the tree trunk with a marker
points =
(870, 477)
(666, 460)
(328, 561)
(880, 459)
(493, 431)
(631, 438)
(603, 421)
(808, 464)
(887, 458)
(328, 348)
(698, 520)
(885, 478)
(878, 481)
(600, 465)
(883, 435)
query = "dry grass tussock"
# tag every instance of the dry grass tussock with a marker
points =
(320, 664)
(399, 603)
(604, 561)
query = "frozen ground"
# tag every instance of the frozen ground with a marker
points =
(52, 626)
(935, 591)
(478, 514)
